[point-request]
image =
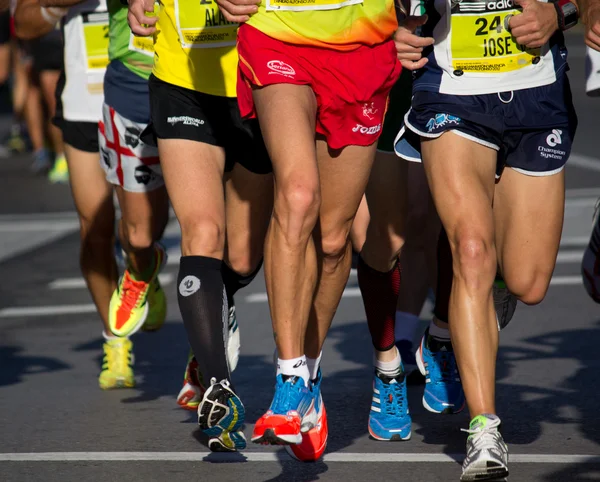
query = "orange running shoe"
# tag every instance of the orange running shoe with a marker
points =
(193, 389)
(129, 303)
(314, 441)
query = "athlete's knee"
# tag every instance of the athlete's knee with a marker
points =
(385, 238)
(138, 234)
(243, 259)
(96, 230)
(474, 257)
(333, 247)
(529, 285)
(297, 209)
(204, 236)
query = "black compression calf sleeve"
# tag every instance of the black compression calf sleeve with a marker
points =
(203, 306)
(235, 281)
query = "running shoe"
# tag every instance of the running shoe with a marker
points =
(389, 419)
(42, 163)
(505, 304)
(129, 304)
(314, 441)
(407, 354)
(157, 307)
(116, 365)
(292, 411)
(233, 340)
(221, 416)
(16, 141)
(487, 454)
(443, 388)
(60, 171)
(193, 389)
(590, 266)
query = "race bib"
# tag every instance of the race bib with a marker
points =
(200, 24)
(95, 39)
(303, 5)
(481, 42)
(142, 45)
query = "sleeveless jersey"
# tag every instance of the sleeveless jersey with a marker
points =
(195, 47)
(333, 24)
(85, 31)
(136, 53)
(474, 53)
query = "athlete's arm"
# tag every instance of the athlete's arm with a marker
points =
(238, 11)
(32, 20)
(410, 46)
(140, 23)
(538, 22)
(591, 19)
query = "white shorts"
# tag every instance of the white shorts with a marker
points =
(127, 161)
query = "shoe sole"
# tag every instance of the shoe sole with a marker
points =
(218, 395)
(307, 458)
(394, 438)
(421, 366)
(484, 473)
(270, 438)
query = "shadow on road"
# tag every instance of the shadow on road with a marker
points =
(15, 365)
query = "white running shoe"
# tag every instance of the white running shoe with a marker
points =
(487, 454)
(233, 340)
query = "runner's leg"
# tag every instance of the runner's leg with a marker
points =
(290, 256)
(343, 177)
(461, 176)
(528, 214)
(94, 204)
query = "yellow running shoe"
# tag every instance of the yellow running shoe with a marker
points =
(157, 307)
(129, 305)
(60, 171)
(116, 365)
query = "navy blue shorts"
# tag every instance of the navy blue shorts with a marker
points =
(532, 129)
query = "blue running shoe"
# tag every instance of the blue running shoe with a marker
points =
(443, 388)
(221, 416)
(292, 411)
(389, 418)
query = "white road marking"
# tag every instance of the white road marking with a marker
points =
(26, 226)
(566, 280)
(79, 283)
(278, 456)
(570, 257)
(586, 162)
(574, 240)
(24, 311)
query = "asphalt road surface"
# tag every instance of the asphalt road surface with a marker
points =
(57, 425)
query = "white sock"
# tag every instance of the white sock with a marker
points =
(313, 365)
(390, 368)
(108, 336)
(406, 326)
(442, 334)
(294, 367)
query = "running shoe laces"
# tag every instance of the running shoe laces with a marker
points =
(289, 395)
(130, 293)
(393, 399)
(483, 433)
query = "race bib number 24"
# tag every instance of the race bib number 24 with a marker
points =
(481, 42)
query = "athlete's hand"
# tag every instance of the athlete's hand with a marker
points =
(238, 11)
(592, 27)
(534, 27)
(410, 46)
(141, 24)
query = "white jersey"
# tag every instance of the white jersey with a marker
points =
(86, 57)
(474, 53)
